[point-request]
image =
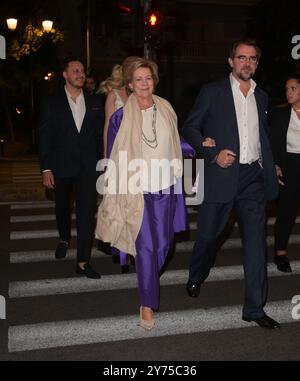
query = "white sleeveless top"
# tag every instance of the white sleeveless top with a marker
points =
(118, 102)
(293, 134)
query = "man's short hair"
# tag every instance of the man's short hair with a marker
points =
(67, 60)
(245, 41)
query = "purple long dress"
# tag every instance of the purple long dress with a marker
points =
(164, 215)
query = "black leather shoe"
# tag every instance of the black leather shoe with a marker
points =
(88, 271)
(61, 250)
(283, 263)
(193, 289)
(264, 322)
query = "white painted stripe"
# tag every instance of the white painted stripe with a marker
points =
(33, 171)
(38, 234)
(51, 217)
(181, 247)
(270, 222)
(47, 256)
(125, 281)
(27, 176)
(232, 243)
(79, 332)
(27, 181)
(35, 218)
(31, 205)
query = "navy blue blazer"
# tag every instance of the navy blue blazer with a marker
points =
(62, 148)
(213, 115)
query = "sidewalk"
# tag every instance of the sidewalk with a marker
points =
(20, 178)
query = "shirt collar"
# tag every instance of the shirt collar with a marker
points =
(80, 96)
(236, 84)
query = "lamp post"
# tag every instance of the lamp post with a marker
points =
(47, 27)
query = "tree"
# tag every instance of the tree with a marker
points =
(30, 54)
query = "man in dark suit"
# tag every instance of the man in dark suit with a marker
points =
(239, 172)
(70, 145)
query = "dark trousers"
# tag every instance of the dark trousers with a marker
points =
(82, 188)
(249, 203)
(289, 195)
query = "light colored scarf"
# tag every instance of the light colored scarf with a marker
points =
(120, 215)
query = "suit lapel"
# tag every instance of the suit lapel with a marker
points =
(261, 108)
(229, 104)
(66, 110)
(87, 101)
(286, 116)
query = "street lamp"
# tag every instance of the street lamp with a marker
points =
(47, 27)
(12, 24)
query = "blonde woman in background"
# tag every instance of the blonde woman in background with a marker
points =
(116, 96)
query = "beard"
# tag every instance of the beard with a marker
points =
(245, 74)
(78, 84)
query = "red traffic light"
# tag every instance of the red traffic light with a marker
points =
(154, 19)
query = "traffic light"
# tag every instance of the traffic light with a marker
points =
(153, 24)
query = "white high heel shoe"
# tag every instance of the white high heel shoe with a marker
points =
(146, 324)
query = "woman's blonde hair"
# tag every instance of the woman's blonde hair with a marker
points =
(114, 81)
(131, 64)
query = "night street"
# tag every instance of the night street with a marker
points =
(53, 314)
(174, 84)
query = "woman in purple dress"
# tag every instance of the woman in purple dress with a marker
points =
(145, 209)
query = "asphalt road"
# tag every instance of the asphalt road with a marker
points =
(54, 315)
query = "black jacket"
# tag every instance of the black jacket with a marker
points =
(61, 147)
(279, 123)
(214, 116)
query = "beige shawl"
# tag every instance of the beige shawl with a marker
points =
(120, 215)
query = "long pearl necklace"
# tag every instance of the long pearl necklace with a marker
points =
(152, 143)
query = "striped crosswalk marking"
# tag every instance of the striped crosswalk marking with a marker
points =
(88, 331)
(31, 205)
(27, 337)
(125, 281)
(51, 217)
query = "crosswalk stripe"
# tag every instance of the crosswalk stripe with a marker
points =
(37, 234)
(233, 243)
(79, 332)
(27, 181)
(181, 247)
(36, 218)
(51, 217)
(46, 256)
(22, 289)
(31, 205)
(28, 176)
(16, 205)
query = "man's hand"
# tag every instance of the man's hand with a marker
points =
(279, 174)
(48, 179)
(225, 158)
(209, 142)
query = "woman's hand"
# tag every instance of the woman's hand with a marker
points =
(209, 142)
(279, 174)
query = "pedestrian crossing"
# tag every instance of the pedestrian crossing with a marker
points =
(26, 172)
(36, 283)
(125, 281)
(61, 334)
(21, 172)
